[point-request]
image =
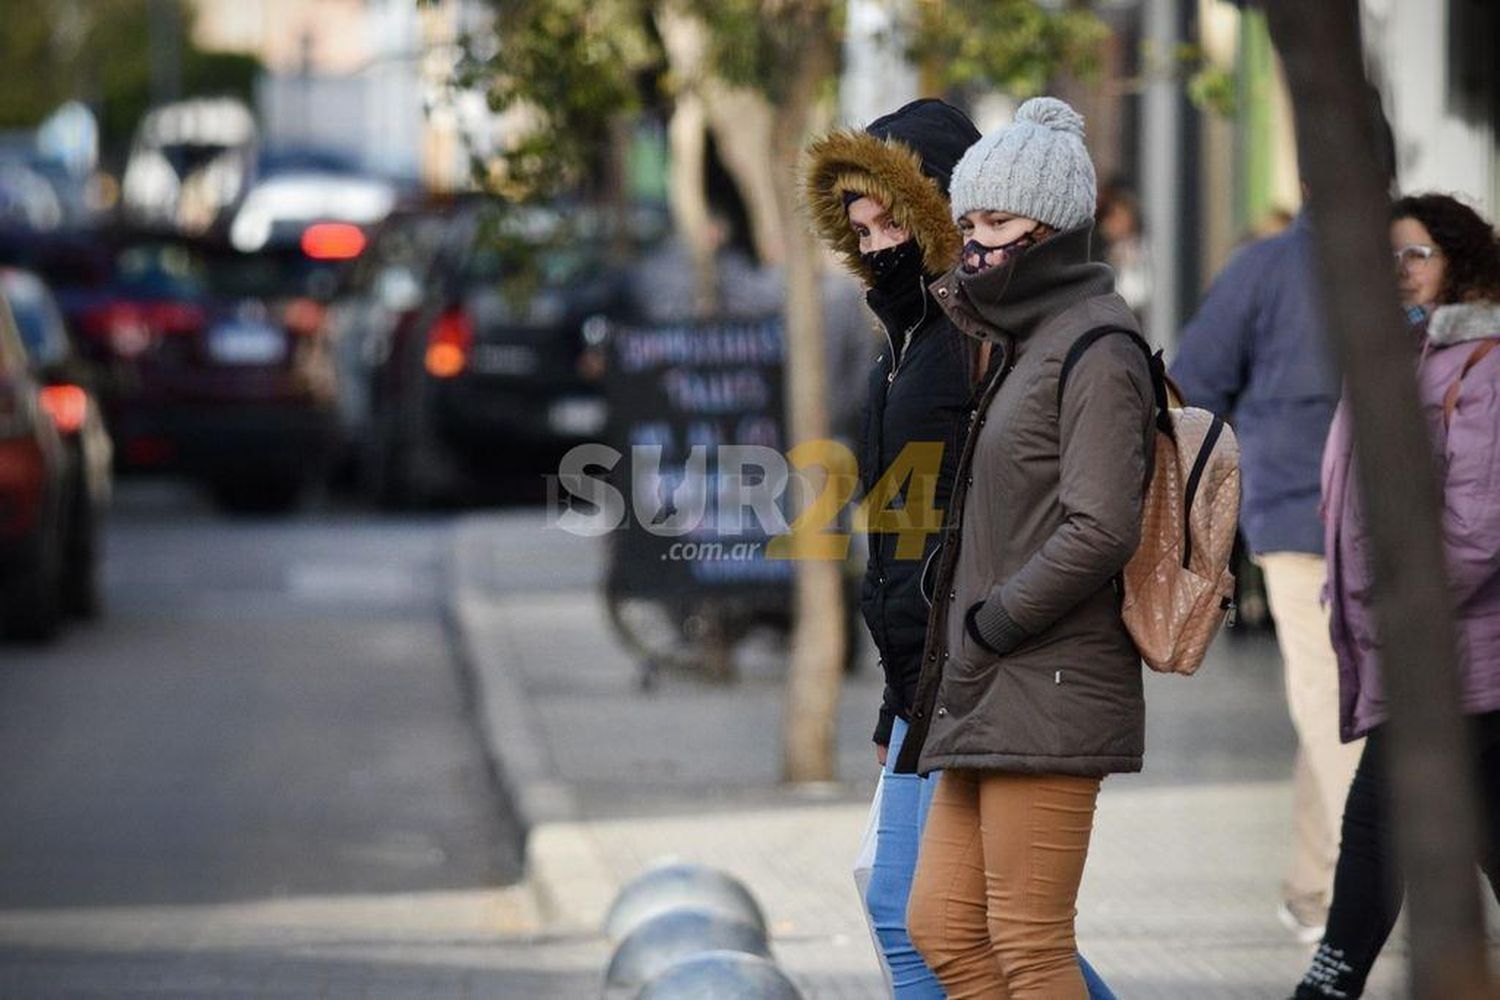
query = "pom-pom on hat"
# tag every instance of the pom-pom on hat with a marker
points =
(1035, 166)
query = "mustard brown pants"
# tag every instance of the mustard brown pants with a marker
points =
(993, 902)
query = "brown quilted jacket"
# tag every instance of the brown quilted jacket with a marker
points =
(1047, 507)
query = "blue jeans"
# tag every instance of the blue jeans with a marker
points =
(903, 814)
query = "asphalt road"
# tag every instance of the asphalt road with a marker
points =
(265, 739)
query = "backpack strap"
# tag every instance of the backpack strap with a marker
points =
(1154, 364)
(1450, 398)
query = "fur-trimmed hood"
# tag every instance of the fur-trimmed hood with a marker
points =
(1464, 321)
(903, 160)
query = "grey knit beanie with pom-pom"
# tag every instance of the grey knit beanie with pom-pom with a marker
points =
(1036, 166)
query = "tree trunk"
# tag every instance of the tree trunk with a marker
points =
(743, 124)
(815, 673)
(1431, 764)
(684, 41)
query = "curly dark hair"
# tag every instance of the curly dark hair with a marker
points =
(1466, 240)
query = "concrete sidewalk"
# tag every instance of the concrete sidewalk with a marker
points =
(1181, 888)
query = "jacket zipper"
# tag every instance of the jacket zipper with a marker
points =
(896, 359)
(931, 674)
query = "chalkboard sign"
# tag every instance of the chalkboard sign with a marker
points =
(678, 394)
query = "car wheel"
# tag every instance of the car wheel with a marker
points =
(33, 608)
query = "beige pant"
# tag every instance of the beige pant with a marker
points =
(1325, 766)
(993, 902)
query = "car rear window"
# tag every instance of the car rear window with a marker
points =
(160, 271)
(36, 318)
(184, 272)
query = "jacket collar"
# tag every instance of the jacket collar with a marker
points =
(1014, 300)
(903, 311)
(1464, 321)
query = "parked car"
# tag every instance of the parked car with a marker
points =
(214, 362)
(384, 287)
(33, 478)
(67, 396)
(463, 379)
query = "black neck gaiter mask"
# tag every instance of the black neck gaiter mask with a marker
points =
(899, 294)
(896, 269)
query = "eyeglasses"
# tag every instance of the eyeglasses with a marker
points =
(1414, 256)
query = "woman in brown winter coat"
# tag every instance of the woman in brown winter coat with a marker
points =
(1031, 690)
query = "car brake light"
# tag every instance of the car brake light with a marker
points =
(68, 405)
(448, 344)
(130, 327)
(333, 241)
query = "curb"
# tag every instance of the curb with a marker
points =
(564, 869)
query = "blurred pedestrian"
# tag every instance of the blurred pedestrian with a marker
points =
(1256, 354)
(1448, 263)
(879, 198)
(1117, 222)
(1032, 690)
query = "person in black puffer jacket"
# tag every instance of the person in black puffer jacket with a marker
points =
(879, 199)
(896, 173)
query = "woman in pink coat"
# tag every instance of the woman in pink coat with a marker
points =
(1448, 265)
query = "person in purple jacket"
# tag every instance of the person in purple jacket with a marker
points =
(1448, 262)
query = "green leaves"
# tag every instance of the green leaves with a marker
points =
(566, 68)
(1011, 45)
(754, 41)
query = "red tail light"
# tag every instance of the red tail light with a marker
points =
(130, 327)
(333, 241)
(448, 344)
(68, 405)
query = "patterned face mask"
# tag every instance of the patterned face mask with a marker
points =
(974, 253)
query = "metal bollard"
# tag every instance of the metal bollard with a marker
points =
(669, 937)
(673, 885)
(721, 975)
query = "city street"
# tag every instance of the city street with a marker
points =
(419, 421)
(255, 776)
(269, 771)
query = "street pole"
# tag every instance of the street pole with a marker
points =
(1161, 168)
(1431, 765)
